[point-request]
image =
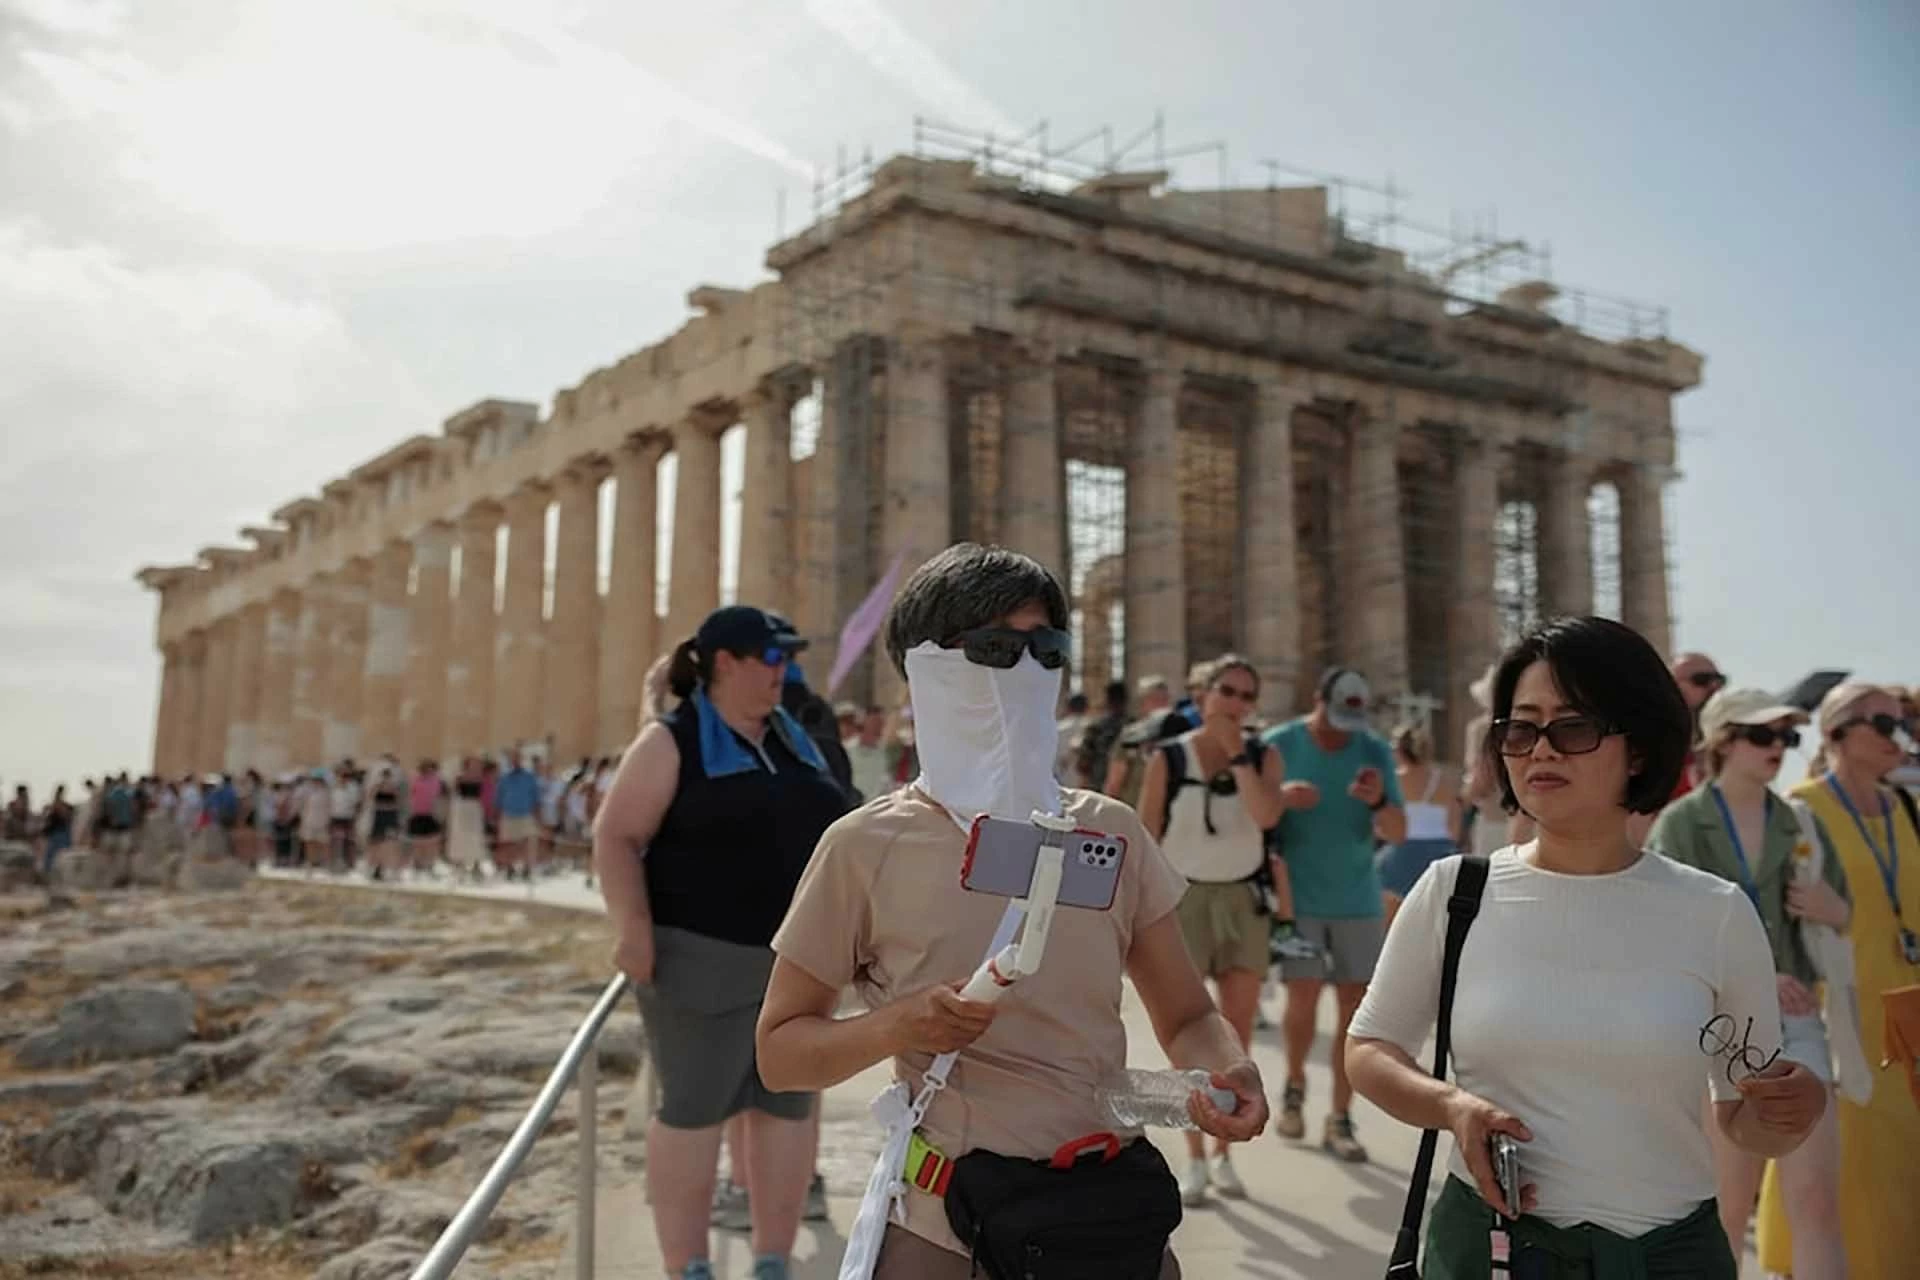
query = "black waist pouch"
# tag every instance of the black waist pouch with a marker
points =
(1035, 1220)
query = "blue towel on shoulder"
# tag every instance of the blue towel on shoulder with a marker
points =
(723, 753)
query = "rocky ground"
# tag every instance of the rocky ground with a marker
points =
(285, 1080)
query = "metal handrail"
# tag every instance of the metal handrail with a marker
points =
(576, 1060)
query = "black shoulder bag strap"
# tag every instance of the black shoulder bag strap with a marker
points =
(1462, 907)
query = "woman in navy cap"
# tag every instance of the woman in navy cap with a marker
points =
(711, 819)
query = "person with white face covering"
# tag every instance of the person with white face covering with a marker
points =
(979, 635)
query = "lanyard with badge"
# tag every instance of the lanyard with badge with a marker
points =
(1906, 944)
(1740, 849)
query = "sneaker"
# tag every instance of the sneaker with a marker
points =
(770, 1267)
(698, 1269)
(816, 1208)
(1292, 1124)
(1339, 1140)
(1226, 1179)
(731, 1210)
(1193, 1187)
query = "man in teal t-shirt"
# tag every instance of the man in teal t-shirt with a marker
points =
(1328, 847)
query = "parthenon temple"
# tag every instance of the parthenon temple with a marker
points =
(1229, 419)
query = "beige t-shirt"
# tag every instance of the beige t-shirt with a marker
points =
(881, 908)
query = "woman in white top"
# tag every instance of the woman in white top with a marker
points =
(1209, 820)
(1432, 818)
(1596, 989)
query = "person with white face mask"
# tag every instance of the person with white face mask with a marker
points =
(979, 635)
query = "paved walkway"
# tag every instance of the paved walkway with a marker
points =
(1307, 1215)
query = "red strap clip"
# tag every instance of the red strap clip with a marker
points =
(1069, 1155)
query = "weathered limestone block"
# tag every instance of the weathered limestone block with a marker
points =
(132, 1021)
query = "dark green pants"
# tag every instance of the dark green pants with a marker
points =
(1459, 1247)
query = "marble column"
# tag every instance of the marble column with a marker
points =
(768, 566)
(470, 671)
(1566, 537)
(1473, 622)
(916, 521)
(1031, 516)
(173, 680)
(312, 675)
(1373, 560)
(1156, 588)
(193, 656)
(243, 698)
(216, 679)
(693, 587)
(347, 671)
(423, 697)
(276, 683)
(629, 635)
(571, 701)
(385, 668)
(1644, 603)
(1270, 594)
(521, 635)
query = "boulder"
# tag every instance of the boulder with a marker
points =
(201, 1066)
(213, 875)
(19, 869)
(155, 865)
(340, 1079)
(383, 1259)
(136, 1020)
(53, 1091)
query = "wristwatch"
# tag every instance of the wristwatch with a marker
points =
(1237, 761)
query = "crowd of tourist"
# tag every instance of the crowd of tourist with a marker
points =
(1676, 980)
(508, 814)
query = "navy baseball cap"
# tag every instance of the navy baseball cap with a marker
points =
(743, 629)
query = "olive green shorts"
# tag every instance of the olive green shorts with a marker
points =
(1224, 927)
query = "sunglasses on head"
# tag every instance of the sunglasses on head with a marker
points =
(1001, 647)
(1882, 724)
(1570, 735)
(1707, 680)
(1765, 735)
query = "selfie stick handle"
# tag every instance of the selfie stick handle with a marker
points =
(1022, 959)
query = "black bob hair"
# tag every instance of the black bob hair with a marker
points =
(964, 587)
(1611, 673)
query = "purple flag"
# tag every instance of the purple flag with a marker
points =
(863, 624)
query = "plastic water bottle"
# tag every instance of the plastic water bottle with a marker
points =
(1158, 1099)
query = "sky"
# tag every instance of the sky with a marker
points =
(246, 245)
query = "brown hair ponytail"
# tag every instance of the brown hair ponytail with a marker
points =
(684, 669)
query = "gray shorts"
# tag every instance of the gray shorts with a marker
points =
(1352, 947)
(698, 1016)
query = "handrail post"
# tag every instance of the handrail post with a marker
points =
(586, 1193)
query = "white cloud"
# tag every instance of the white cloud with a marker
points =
(349, 126)
(889, 48)
(136, 357)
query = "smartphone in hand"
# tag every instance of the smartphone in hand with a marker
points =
(1506, 1170)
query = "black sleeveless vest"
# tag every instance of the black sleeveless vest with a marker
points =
(730, 850)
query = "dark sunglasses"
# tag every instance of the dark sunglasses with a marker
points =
(773, 655)
(1707, 680)
(1001, 647)
(1765, 735)
(1882, 724)
(1570, 736)
(1248, 696)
